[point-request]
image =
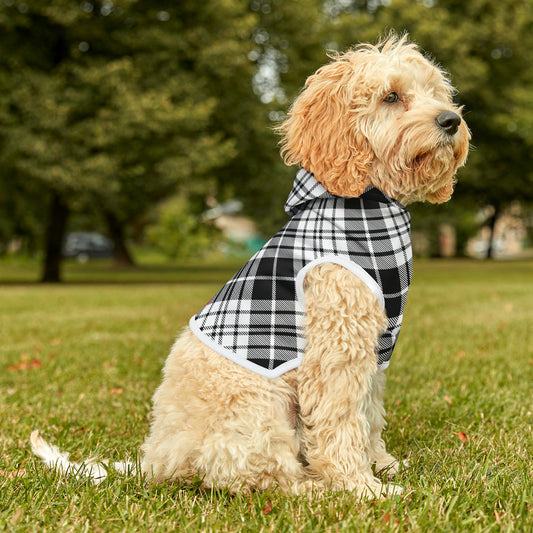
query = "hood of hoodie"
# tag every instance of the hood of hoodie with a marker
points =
(306, 188)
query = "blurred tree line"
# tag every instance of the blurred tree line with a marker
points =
(109, 108)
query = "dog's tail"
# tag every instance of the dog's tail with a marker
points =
(57, 460)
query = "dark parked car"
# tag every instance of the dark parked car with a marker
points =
(87, 245)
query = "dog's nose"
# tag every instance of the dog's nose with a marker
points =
(449, 122)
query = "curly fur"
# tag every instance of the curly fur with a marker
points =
(320, 425)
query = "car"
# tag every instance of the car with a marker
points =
(83, 246)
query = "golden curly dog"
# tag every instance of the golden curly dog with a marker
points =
(379, 116)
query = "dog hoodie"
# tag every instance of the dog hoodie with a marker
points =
(256, 319)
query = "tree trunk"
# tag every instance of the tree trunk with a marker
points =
(54, 237)
(116, 233)
(492, 226)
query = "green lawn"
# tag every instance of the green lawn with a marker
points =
(80, 361)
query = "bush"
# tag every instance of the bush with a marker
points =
(178, 232)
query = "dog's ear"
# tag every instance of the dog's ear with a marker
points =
(323, 135)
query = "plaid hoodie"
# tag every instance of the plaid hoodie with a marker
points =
(256, 319)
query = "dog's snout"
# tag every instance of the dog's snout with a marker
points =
(449, 122)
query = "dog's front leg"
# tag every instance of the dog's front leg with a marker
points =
(384, 461)
(343, 322)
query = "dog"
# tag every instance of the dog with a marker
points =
(279, 380)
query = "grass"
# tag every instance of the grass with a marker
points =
(81, 361)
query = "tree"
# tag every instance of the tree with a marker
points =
(101, 105)
(124, 104)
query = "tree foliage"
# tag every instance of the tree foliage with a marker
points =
(112, 109)
(117, 105)
(122, 104)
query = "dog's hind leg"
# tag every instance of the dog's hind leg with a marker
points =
(343, 323)
(228, 425)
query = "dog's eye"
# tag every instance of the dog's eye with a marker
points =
(391, 98)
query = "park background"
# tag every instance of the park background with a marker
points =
(151, 122)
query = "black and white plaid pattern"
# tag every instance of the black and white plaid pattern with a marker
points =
(256, 318)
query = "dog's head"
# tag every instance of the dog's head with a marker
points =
(378, 115)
